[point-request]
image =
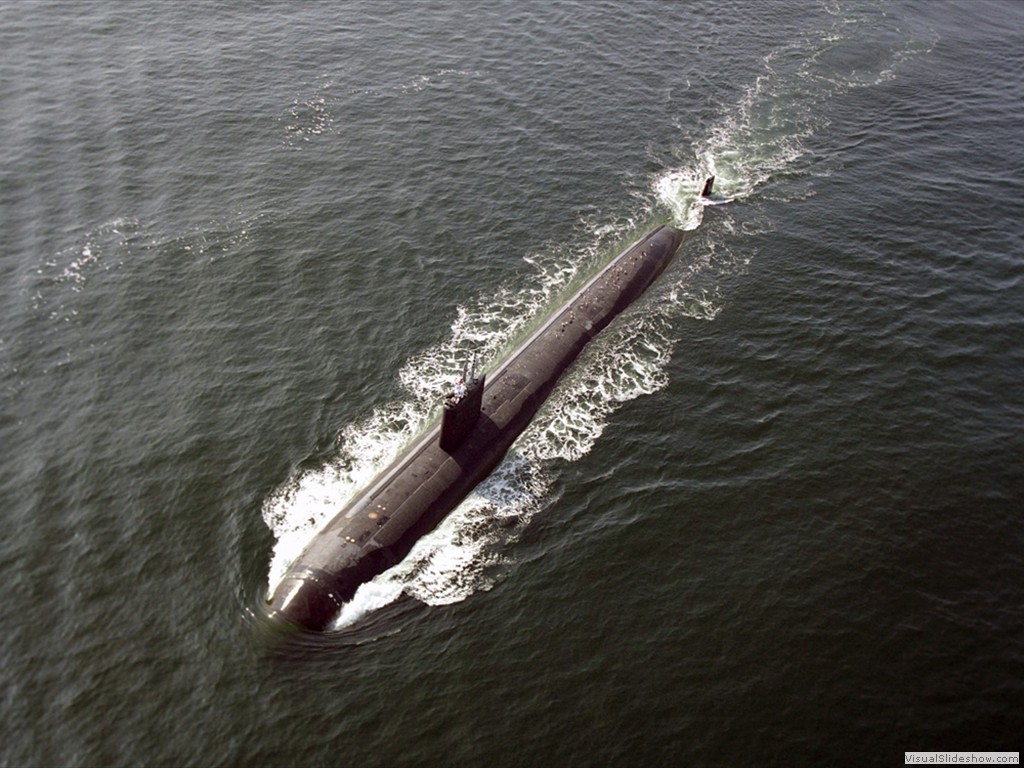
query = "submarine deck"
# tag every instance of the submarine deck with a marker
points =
(375, 516)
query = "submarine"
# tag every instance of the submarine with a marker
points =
(378, 527)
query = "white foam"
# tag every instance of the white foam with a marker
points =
(313, 111)
(763, 134)
(101, 249)
(766, 131)
(309, 501)
(304, 505)
(460, 557)
(679, 190)
(60, 278)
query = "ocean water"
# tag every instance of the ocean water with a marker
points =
(772, 516)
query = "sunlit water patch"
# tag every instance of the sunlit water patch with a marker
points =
(319, 107)
(100, 250)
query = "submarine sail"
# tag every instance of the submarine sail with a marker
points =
(380, 525)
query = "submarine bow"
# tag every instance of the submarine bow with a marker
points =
(380, 525)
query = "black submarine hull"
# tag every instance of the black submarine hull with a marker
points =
(380, 525)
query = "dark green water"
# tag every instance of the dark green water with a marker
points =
(772, 517)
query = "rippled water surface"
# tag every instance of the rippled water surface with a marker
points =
(772, 516)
